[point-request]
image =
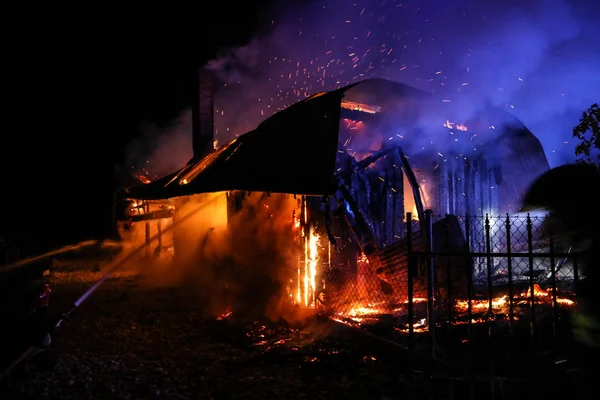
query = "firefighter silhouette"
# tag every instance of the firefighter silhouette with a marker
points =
(569, 194)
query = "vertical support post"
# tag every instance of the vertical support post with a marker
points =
(509, 266)
(448, 275)
(401, 199)
(469, 277)
(490, 288)
(553, 283)
(430, 281)
(395, 199)
(410, 274)
(488, 256)
(443, 189)
(531, 271)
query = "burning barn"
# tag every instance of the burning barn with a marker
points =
(361, 171)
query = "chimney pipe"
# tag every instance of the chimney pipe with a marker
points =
(203, 113)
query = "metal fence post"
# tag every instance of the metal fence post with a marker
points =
(488, 257)
(511, 316)
(531, 272)
(553, 283)
(448, 275)
(430, 281)
(410, 288)
(469, 277)
(410, 272)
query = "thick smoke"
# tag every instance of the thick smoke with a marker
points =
(241, 263)
(160, 150)
(537, 59)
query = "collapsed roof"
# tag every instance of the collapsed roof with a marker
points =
(295, 150)
(291, 152)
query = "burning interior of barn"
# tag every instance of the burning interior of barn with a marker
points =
(389, 228)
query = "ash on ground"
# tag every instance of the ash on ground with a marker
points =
(128, 341)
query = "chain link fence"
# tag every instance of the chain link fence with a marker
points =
(454, 285)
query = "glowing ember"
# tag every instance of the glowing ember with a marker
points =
(143, 178)
(349, 105)
(452, 125)
(362, 313)
(225, 315)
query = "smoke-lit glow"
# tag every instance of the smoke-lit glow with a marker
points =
(537, 59)
(242, 262)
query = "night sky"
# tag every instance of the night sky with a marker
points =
(80, 83)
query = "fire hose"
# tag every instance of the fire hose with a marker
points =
(115, 267)
(62, 250)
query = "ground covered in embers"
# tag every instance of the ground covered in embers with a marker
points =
(131, 342)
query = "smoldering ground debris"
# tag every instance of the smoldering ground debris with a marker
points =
(133, 342)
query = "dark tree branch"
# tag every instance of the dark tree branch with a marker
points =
(588, 133)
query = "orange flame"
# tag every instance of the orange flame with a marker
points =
(362, 312)
(310, 270)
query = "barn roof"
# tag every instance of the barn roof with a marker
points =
(291, 152)
(294, 151)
